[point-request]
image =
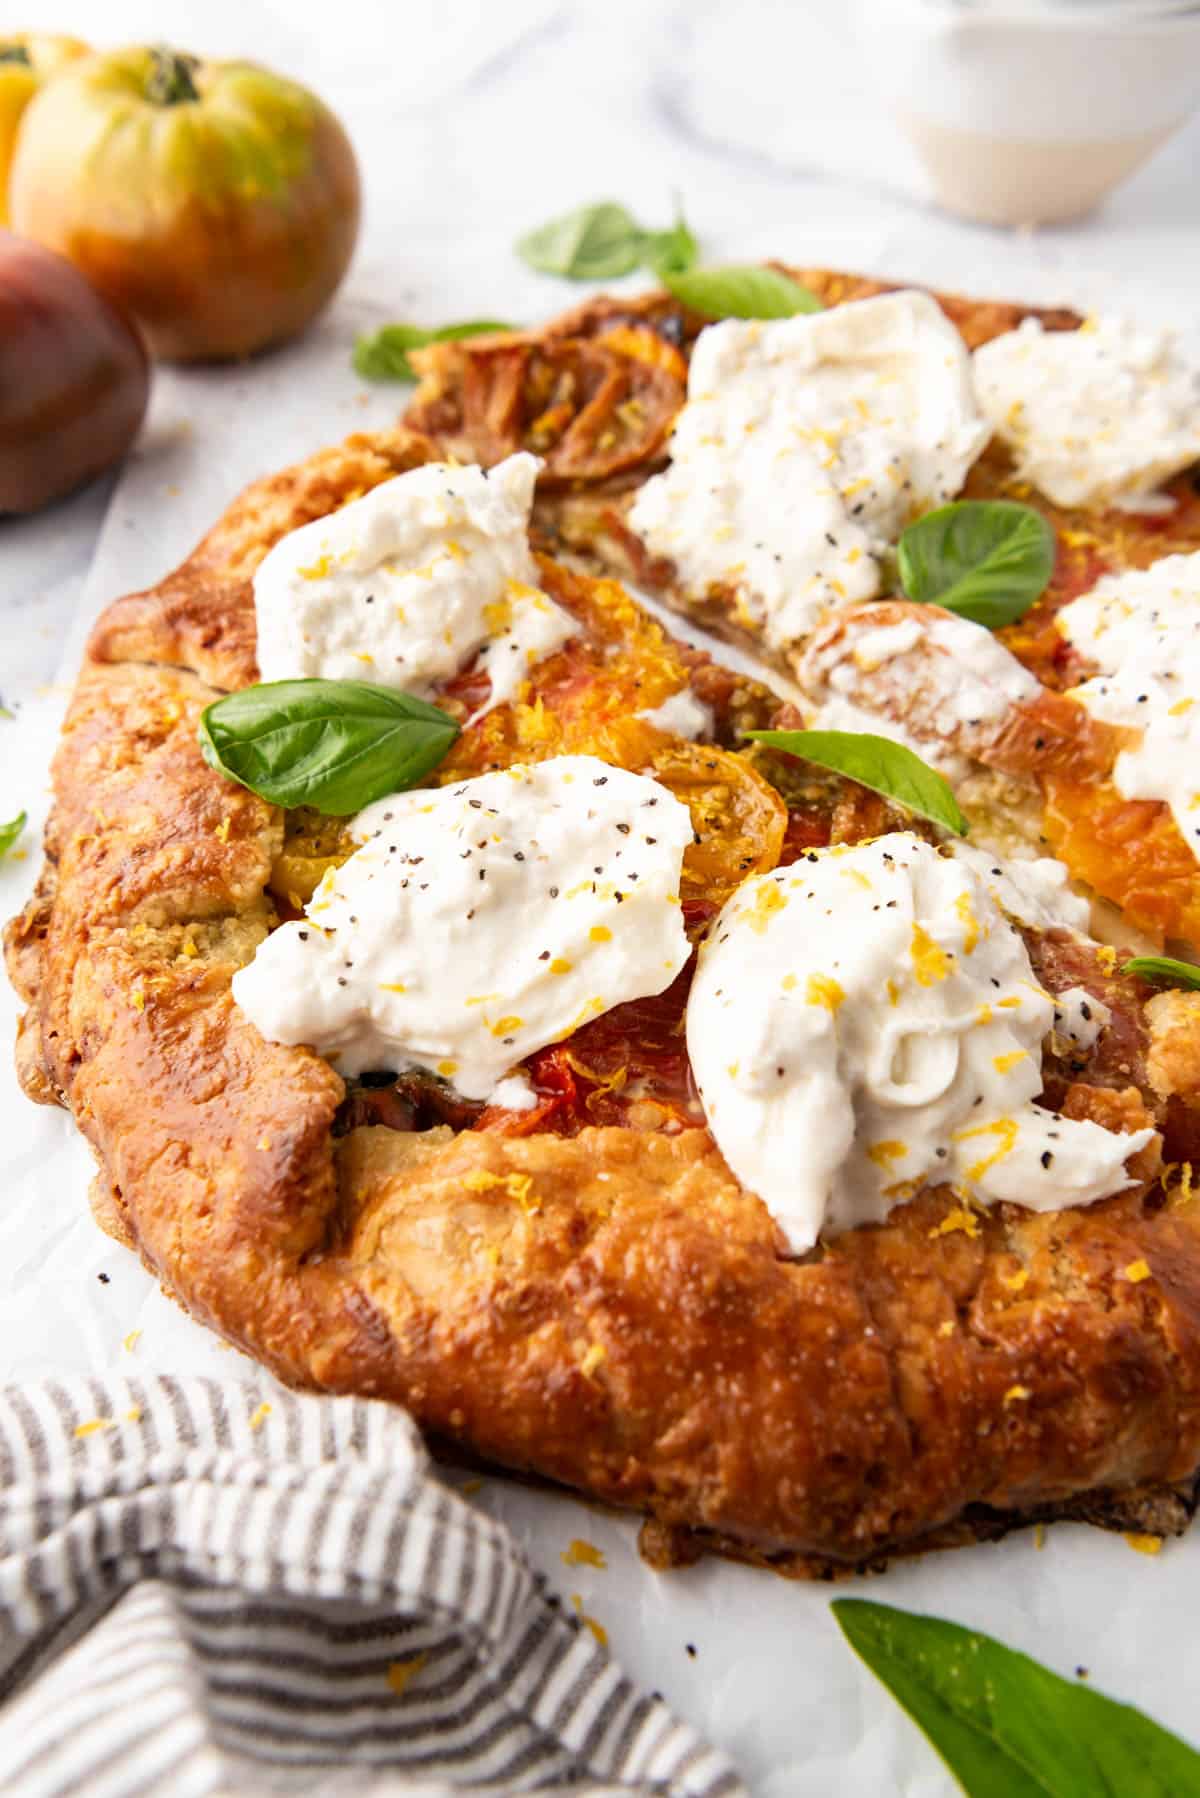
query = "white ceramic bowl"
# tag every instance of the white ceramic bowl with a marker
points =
(1030, 113)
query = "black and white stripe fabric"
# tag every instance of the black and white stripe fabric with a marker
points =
(203, 1592)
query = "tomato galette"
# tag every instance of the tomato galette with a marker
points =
(770, 1110)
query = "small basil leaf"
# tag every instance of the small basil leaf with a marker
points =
(10, 832)
(670, 252)
(594, 243)
(740, 292)
(332, 744)
(1164, 967)
(876, 762)
(987, 560)
(1005, 1725)
(383, 355)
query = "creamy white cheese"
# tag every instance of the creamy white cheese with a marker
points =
(804, 447)
(1142, 628)
(1079, 1018)
(1101, 416)
(480, 922)
(682, 715)
(865, 1022)
(932, 681)
(409, 584)
(1035, 890)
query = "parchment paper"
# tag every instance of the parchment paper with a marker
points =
(770, 1679)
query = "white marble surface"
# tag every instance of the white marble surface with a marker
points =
(473, 122)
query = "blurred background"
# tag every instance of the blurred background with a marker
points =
(775, 119)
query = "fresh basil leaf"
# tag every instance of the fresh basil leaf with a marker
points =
(986, 559)
(670, 252)
(876, 762)
(740, 292)
(594, 243)
(1164, 967)
(383, 355)
(332, 744)
(10, 832)
(1005, 1725)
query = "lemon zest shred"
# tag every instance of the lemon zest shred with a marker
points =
(400, 1674)
(597, 1629)
(958, 1219)
(582, 1553)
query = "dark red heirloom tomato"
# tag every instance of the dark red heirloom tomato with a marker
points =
(74, 378)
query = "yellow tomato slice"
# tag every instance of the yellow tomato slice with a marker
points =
(738, 817)
(1129, 850)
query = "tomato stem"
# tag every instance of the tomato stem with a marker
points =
(15, 53)
(170, 81)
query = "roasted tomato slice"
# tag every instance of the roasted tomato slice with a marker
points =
(1130, 850)
(591, 407)
(738, 817)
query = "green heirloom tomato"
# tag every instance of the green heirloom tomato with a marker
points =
(214, 201)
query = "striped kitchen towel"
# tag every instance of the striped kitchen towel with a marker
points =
(203, 1592)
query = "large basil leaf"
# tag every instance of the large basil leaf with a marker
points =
(1166, 968)
(10, 832)
(383, 355)
(593, 243)
(1005, 1725)
(988, 560)
(332, 744)
(740, 292)
(876, 762)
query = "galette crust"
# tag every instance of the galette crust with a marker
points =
(611, 1311)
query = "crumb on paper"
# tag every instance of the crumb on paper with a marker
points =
(1039, 1535)
(583, 1554)
(130, 1342)
(92, 1425)
(689, 1648)
(597, 1629)
(1145, 1545)
(400, 1674)
(260, 1416)
(1082, 1673)
(470, 1486)
(1137, 1271)
(134, 1414)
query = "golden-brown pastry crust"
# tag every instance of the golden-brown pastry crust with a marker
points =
(610, 1309)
